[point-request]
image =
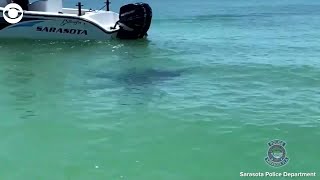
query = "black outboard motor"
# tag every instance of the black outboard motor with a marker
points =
(134, 21)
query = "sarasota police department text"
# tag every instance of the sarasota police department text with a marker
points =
(277, 174)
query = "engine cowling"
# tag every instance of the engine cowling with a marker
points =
(134, 21)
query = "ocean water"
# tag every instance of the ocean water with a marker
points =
(198, 100)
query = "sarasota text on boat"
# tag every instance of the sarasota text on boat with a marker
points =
(47, 19)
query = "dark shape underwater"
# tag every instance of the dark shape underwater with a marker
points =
(148, 76)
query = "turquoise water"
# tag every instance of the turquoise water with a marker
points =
(200, 99)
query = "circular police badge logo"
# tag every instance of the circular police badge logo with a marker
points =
(277, 155)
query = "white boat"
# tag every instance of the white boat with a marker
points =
(47, 19)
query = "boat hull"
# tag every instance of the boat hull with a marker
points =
(36, 26)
